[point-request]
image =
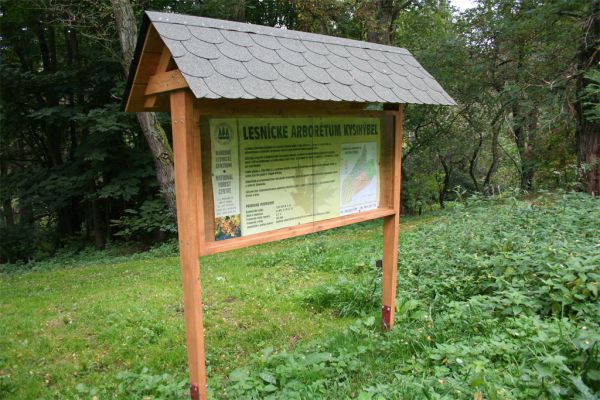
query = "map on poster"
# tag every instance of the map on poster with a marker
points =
(271, 173)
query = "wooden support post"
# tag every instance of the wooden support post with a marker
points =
(390, 232)
(190, 220)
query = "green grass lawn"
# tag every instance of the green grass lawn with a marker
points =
(84, 325)
(494, 298)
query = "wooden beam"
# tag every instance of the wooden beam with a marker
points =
(162, 66)
(164, 61)
(386, 161)
(274, 108)
(390, 233)
(165, 82)
(293, 231)
(190, 220)
(146, 66)
(209, 201)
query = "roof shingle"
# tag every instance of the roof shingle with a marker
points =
(224, 59)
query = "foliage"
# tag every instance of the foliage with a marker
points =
(507, 310)
(151, 217)
(70, 159)
(143, 385)
(24, 243)
(497, 298)
(73, 256)
(348, 298)
(514, 124)
(591, 96)
(74, 167)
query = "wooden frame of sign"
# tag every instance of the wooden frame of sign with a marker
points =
(159, 86)
(195, 208)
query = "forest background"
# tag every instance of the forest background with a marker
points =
(76, 171)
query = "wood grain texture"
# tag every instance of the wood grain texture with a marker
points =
(165, 82)
(162, 66)
(190, 222)
(391, 227)
(151, 53)
(208, 197)
(386, 162)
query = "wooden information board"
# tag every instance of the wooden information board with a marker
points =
(276, 134)
(266, 177)
(253, 172)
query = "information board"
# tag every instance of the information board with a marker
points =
(271, 173)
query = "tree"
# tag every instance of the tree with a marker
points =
(74, 167)
(588, 124)
(153, 132)
(463, 139)
(526, 49)
(70, 162)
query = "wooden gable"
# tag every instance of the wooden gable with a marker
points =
(155, 74)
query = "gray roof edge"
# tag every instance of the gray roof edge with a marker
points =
(230, 78)
(190, 20)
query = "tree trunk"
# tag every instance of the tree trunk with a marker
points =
(473, 162)
(380, 31)
(494, 165)
(381, 17)
(97, 226)
(588, 155)
(523, 131)
(446, 184)
(67, 214)
(163, 155)
(153, 132)
(7, 209)
(588, 131)
(239, 11)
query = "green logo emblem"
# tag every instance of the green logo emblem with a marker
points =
(224, 134)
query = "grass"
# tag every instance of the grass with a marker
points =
(60, 328)
(495, 299)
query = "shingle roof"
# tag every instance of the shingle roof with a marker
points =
(224, 59)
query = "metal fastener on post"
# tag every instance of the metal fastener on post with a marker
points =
(194, 392)
(386, 313)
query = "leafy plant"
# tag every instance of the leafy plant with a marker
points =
(591, 95)
(152, 216)
(498, 299)
(146, 385)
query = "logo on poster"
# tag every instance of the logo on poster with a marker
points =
(224, 134)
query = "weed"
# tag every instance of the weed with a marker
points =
(496, 299)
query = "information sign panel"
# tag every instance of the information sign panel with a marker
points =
(271, 173)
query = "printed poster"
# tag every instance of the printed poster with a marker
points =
(225, 178)
(272, 173)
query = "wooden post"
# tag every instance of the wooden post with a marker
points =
(390, 232)
(190, 220)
